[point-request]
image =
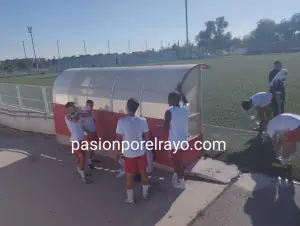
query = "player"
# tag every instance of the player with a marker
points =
(91, 134)
(176, 123)
(262, 103)
(278, 90)
(284, 131)
(76, 128)
(131, 129)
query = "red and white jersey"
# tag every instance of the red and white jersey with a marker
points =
(88, 118)
(75, 127)
(283, 123)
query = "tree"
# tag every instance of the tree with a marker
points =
(21, 65)
(214, 37)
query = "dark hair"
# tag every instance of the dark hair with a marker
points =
(174, 98)
(277, 62)
(246, 105)
(69, 104)
(132, 105)
(89, 102)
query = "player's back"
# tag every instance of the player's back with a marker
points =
(261, 99)
(179, 123)
(132, 128)
(284, 122)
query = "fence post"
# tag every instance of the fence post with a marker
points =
(19, 96)
(45, 99)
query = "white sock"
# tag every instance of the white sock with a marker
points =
(145, 189)
(174, 179)
(78, 170)
(90, 161)
(130, 195)
(82, 174)
(181, 181)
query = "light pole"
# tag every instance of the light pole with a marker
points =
(186, 27)
(29, 29)
(57, 44)
(24, 50)
(129, 46)
(108, 46)
(84, 47)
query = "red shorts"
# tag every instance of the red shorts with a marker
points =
(292, 136)
(79, 153)
(177, 155)
(91, 137)
(136, 164)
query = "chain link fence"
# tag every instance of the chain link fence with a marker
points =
(27, 97)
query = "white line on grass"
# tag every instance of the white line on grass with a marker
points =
(229, 128)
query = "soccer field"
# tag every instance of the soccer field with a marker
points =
(230, 80)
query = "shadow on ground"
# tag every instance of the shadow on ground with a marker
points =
(36, 190)
(246, 150)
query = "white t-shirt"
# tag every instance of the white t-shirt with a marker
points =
(281, 75)
(261, 99)
(75, 128)
(132, 129)
(88, 119)
(179, 127)
(283, 123)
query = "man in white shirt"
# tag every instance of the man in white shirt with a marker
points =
(284, 131)
(131, 129)
(262, 103)
(89, 123)
(176, 123)
(76, 128)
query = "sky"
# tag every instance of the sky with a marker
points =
(97, 21)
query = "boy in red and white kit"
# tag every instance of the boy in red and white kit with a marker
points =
(91, 133)
(76, 128)
(284, 131)
(131, 130)
(176, 122)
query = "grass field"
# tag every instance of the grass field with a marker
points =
(229, 81)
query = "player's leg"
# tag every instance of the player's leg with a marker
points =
(121, 170)
(80, 156)
(179, 170)
(130, 167)
(142, 169)
(92, 137)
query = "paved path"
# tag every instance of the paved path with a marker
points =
(39, 187)
(262, 203)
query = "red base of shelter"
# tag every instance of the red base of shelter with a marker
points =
(106, 123)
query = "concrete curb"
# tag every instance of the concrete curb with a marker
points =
(202, 212)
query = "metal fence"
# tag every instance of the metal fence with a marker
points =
(27, 97)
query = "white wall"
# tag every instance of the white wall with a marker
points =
(36, 125)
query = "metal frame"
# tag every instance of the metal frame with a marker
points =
(112, 91)
(141, 99)
(20, 99)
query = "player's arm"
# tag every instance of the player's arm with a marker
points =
(183, 97)
(84, 126)
(119, 137)
(167, 120)
(68, 123)
(270, 77)
(146, 134)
